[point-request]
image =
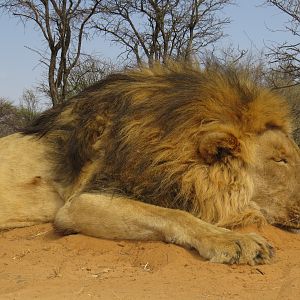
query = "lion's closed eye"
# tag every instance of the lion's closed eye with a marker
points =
(280, 160)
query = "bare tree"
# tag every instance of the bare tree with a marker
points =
(8, 117)
(254, 64)
(63, 25)
(88, 71)
(285, 56)
(30, 106)
(156, 30)
(12, 118)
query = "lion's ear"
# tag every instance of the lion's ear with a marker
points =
(218, 146)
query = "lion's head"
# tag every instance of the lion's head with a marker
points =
(277, 179)
(247, 179)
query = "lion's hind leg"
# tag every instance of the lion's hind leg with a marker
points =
(28, 203)
(114, 217)
(28, 194)
(22, 211)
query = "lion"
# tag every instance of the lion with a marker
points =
(175, 153)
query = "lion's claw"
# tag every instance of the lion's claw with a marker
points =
(236, 248)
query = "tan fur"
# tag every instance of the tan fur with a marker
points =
(28, 193)
(168, 153)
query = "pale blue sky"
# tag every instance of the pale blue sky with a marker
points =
(19, 67)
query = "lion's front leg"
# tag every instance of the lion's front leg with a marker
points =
(115, 217)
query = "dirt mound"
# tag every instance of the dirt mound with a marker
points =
(35, 263)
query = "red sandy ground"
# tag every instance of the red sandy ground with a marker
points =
(35, 263)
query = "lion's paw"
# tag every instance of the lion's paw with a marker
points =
(236, 248)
